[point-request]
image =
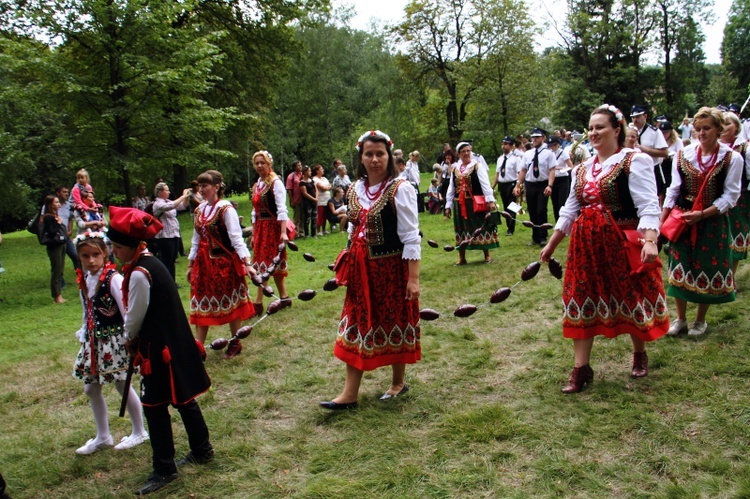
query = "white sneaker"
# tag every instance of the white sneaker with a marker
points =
(678, 325)
(130, 441)
(92, 446)
(697, 328)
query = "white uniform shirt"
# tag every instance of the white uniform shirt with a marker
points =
(650, 136)
(561, 168)
(547, 162)
(512, 166)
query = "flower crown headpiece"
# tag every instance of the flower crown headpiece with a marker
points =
(374, 133)
(100, 234)
(612, 109)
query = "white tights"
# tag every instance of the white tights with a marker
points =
(99, 408)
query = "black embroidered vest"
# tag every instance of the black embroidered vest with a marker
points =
(381, 232)
(107, 318)
(614, 192)
(692, 178)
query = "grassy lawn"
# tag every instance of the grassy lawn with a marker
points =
(484, 417)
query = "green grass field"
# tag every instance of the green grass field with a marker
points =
(484, 417)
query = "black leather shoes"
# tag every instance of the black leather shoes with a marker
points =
(191, 458)
(388, 396)
(155, 482)
(335, 406)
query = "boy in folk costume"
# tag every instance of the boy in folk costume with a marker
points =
(162, 344)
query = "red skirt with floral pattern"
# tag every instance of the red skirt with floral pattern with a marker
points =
(266, 239)
(600, 297)
(378, 327)
(218, 295)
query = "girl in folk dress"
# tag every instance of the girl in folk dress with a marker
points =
(600, 296)
(700, 262)
(270, 217)
(739, 216)
(470, 179)
(218, 263)
(103, 357)
(380, 322)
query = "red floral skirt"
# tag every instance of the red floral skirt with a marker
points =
(217, 294)
(599, 295)
(378, 327)
(266, 240)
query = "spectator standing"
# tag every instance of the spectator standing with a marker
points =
(294, 194)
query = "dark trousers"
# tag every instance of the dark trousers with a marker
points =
(160, 432)
(168, 248)
(537, 203)
(311, 214)
(506, 194)
(560, 191)
(70, 250)
(56, 254)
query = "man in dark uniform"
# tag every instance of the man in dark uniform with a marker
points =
(162, 344)
(505, 177)
(537, 175)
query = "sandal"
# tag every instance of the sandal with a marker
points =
(460, 262)
(488, 260)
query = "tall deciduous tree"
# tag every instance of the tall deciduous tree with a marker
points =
(735, 48)
(448, 42)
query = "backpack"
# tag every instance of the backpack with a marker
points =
(34, 226)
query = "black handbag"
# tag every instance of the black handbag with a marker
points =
(53, 238)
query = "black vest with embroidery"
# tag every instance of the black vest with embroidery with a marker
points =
(267, 209)
(381, 232)
(214, 231)
(476, 187)
(692, 178)
(107, 318)
(614, 191)
(742, 151)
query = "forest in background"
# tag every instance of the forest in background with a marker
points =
(134, 90)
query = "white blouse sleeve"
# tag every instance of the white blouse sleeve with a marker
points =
(234, 231)
(747, 165)
(279, 195)
(642, 185)
(732, 185)
(569, 211)
(405, 199)
(196, 239)
(139, 297)
(674, 188)
(484, 183)
(115, 288)
(451, 193)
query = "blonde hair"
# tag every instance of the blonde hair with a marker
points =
(83, 173)
(713, 114)
(729, 116)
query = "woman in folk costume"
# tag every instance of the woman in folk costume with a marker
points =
(161, 345)
(380, 321)
(600, 294)
(218, 263)
(739, 216)
(270, 219)
(700, 262)
(102, 358)
(469, 182)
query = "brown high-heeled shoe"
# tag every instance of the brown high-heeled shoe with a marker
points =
(578, 378)
(258, 308)
(640, 365)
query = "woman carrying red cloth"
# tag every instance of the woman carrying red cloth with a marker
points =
(469, 181)
(218, 263)
(380, 322)
(270, 218)
(706, 183)
(600, 294)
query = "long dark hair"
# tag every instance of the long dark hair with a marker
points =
(48, 204)
(615, 124)
(361, 171)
